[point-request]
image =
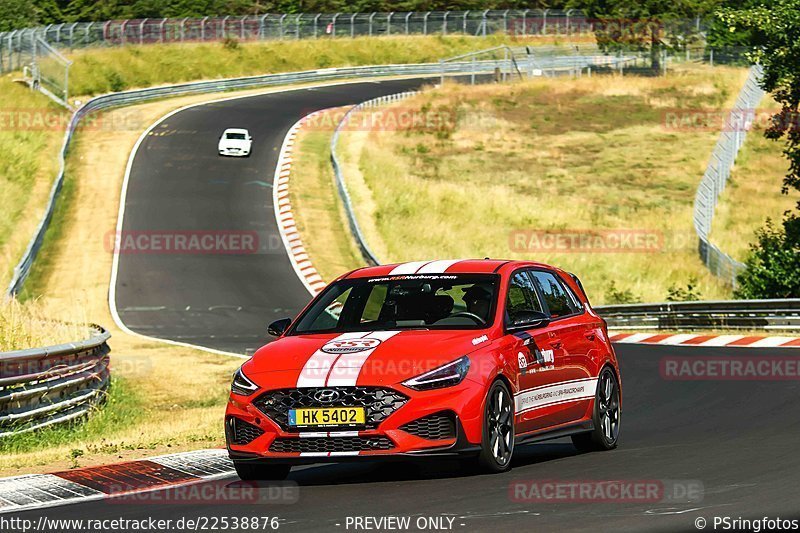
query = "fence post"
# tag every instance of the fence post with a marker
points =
(543, 31)
(425, 23)
(353, 24)
(505, 21)
(389, 23)
(444, 23)
(280, 28)
(333, 24)
(371, 18)
(408, 16)
(316, 21)
(464, 23)
(297, 26)
(525, 22)
(141, 30)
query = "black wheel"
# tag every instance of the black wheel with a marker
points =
(497, 444)
(606, 416)
(260, 472)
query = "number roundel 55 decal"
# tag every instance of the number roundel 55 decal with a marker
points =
(344, 346)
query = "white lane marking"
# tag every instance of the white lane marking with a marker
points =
(565, 391)
(319, 364)
(438, 267)
(112, 289)
(347, 368)
(408, 268)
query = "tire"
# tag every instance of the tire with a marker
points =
(260, 472)
(497, 442)
(606, 416)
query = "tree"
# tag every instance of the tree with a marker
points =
(774, 260)
(646, 24)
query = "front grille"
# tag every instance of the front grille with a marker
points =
(241, 433)
(438, 426)
(330, 444)
(378, 402)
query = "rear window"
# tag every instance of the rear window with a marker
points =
(236, 136)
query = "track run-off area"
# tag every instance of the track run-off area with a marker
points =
(734, 440)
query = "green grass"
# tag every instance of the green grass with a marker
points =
(547, 156)
(320, 217)
(44, 265)
(27, 166)
(115, 69)
(122, 408)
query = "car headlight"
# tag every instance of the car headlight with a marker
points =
(438, 378)
(242, 385)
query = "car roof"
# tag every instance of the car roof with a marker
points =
(440, 266)
(236, 130)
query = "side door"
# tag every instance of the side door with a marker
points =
(533, 353)
(575, 386)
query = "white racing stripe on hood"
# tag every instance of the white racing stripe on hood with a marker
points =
(438, 267)
(318, 366)
(347, 368)
(408, 268)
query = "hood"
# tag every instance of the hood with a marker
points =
(371, 358)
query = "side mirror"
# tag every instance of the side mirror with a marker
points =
(279, 327)
(528, 320)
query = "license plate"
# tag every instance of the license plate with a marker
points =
(327, 416)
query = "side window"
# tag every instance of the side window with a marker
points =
(521, 295)
(372, 309)
(558, 299)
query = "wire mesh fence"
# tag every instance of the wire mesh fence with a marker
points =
(15, 46)
(718, 172)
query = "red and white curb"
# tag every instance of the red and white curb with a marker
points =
(287, 227)
(690, 339)
(36, 491)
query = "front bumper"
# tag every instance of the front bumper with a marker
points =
(270, 440)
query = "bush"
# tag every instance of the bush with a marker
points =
(615, 296)
(680, 294)
(773, 265)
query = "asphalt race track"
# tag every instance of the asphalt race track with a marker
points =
(178, 185)
(737, 439)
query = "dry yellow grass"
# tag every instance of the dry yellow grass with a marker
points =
(753, 192)
(546, 156)
(32, 325)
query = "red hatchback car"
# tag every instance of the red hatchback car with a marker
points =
(462, 358)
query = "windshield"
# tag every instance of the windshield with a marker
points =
(441, 301)
(235, 136)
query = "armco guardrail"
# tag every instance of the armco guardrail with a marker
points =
(510, 65)
(99, 103)
(46, 386)
(719, 171)
(341, 186)
(732, 314)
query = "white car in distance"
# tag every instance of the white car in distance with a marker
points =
(235, 142)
